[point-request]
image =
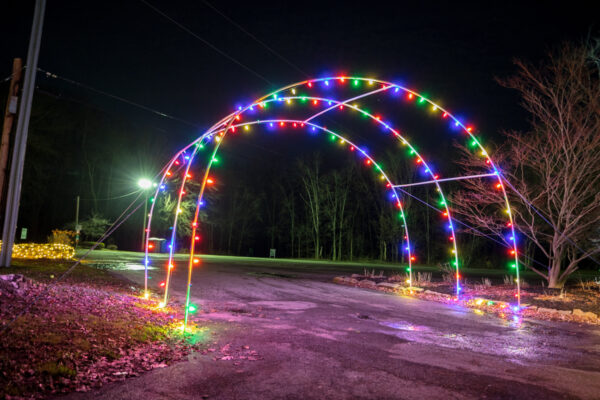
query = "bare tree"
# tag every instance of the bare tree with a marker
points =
(555, 167)
(288, 200)
(336, 195)
(312, 182)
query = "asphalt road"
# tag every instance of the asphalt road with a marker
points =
(307, 338)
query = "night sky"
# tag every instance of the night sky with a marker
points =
(448, 50)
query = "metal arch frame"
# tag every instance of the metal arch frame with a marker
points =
(335, 104)
(390, 184)
(229, 120)
(299, 123)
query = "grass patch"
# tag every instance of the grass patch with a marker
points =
(77, 337)
(48, 271)
(56, 370)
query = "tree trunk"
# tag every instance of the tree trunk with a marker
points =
(292, 235)
(427, 235)
(333, 232)
(351, 243)
(554, 274)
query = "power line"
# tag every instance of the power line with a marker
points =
(8, 78)
(291, 64)
(212, 46)
(115, 97)
(115, 197)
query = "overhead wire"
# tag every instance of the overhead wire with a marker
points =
(269, 48)
(8, 78)
(115, 197)
(113, 96)
(206, 42)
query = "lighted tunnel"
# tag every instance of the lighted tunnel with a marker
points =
(290, 94)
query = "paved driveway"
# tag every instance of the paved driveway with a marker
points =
(288, 333)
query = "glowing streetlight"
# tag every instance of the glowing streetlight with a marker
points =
(145, 183)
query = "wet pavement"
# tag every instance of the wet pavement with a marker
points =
(313, 339)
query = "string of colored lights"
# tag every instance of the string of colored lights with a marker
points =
(413, 150)
(282, 123)
(385, 86)
(178, 210)
(474, 142)
(165, 172)
(442, 200)
(294, 123)
(192, 259)
(457, 123)
(333, 104)
(410, 256)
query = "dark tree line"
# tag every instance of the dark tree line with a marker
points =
(314, 210)
(77, 149)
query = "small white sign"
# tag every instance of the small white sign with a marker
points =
(23, 233)
(12, 104)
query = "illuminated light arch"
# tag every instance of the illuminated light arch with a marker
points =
(413, 151)
(420, 160)
(229, 120)
(300, 124)
(389, 184)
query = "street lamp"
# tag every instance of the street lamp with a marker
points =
(145, 184)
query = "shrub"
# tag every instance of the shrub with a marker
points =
(112, 247)
(62, 236)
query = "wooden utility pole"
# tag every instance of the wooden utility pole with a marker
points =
(13, 194)
(9, 116)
